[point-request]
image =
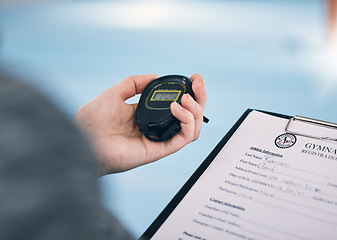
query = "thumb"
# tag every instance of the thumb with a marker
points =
(133, 85)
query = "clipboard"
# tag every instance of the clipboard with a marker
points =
(289, 128)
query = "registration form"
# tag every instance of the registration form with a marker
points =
(262, 184)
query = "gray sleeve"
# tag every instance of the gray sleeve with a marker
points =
(48, 175)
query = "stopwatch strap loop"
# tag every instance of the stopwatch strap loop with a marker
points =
(171, 131)
(165, 134)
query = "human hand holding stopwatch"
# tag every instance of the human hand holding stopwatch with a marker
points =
(111, 125)
(153, 115)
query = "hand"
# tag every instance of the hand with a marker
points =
(110, 124)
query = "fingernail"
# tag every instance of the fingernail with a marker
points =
(190, 98)
(176, 104)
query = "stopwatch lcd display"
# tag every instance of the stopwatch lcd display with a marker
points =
(165, 95)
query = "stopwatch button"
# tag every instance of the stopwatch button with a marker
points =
(153, 138)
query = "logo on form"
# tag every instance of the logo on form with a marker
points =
(285, 140)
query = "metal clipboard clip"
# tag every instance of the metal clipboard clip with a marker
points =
(313, 122)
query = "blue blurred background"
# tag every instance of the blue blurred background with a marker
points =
(271, 55)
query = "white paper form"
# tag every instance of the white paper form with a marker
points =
(262, 185)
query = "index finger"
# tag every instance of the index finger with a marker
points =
(133, 85)
(199, 89)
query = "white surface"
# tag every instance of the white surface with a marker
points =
(256, 190)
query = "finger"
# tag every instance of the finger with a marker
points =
(199, 89)
(187, 123)
(191, 105)
(133, 85)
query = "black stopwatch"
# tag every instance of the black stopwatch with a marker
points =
(153, 114)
